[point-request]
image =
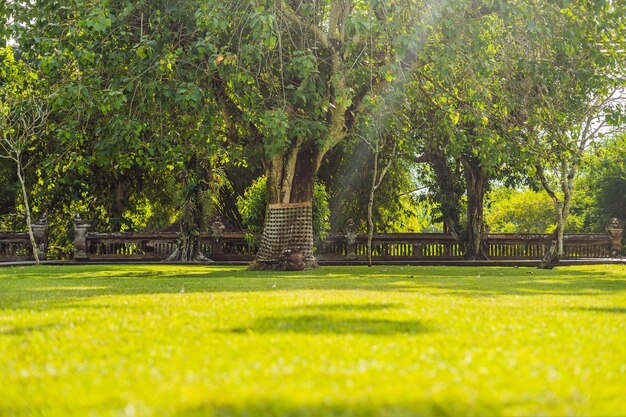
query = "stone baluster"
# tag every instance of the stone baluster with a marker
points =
(217, 231)
(351, 236)
(81, 228)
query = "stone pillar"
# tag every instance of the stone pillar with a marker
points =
(350, 239)
(81, 228)
(417, 250)
(217, 230)
(40, 232)
(614, 231)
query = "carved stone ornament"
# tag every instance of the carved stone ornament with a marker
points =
(217, 228)
(615, 233)
(81, 228)
(350, 230)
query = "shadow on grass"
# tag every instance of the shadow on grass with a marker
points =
(344, 307)
(41, 288)
(322, 324)
(609, 310)
(284, 408)
(22, 331)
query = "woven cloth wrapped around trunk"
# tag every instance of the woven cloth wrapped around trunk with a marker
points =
(287, 227)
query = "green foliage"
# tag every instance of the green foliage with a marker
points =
(338, 341)
(141, 88)
(253, 204)
(347, 174)
(321, 210)
(9, 188)
(603, 182)
(131, 108)
(408, 215)
(528, 211)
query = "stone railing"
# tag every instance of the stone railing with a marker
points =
(224, 246)
(156, 246)
(219, 245)
(430, 246)
(16, 246)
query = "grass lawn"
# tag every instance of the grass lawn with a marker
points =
(338, 341)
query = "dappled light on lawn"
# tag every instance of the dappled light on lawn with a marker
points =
(338, 341)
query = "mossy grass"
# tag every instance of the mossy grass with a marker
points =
(336, 341)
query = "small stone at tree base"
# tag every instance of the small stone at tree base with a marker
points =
(295, 261)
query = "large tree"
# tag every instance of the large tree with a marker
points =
(574, 67)
(23, 121)
(301, 73)
(135, 111)
(462, 113)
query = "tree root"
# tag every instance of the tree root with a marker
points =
(198, 258)
(278, 266)
(550, 259)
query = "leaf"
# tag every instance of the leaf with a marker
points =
(141, 52)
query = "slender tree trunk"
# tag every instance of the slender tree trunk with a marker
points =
(370, 212)
(567, 203)
(377, 180)
(194, 213)
(562, 209)
(477, 182)
(31, 236)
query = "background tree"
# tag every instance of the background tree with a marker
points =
(23, 117)
(577, 76)
(603, 182)
(135, 111)
(462, 112)
(531, 211)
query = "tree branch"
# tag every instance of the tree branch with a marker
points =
(315, 30)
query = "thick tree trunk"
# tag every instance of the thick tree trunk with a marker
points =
(119, 204)
(448, 193)
(29, 225)
(288, 224)
(474, 242)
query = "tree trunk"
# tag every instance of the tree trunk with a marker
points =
(370, 227)
(370, 213)
(195, 212)
(562, 208)
(189, 245)
(31, 235)
(557, 249)
(448, 192)
(119, 204)
(567, 186)
(474, 239)
(288, 224)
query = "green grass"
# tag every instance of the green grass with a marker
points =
(338, 341)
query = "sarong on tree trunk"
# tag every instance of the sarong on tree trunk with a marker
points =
(287, 227)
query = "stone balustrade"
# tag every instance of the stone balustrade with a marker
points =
(220, 245)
